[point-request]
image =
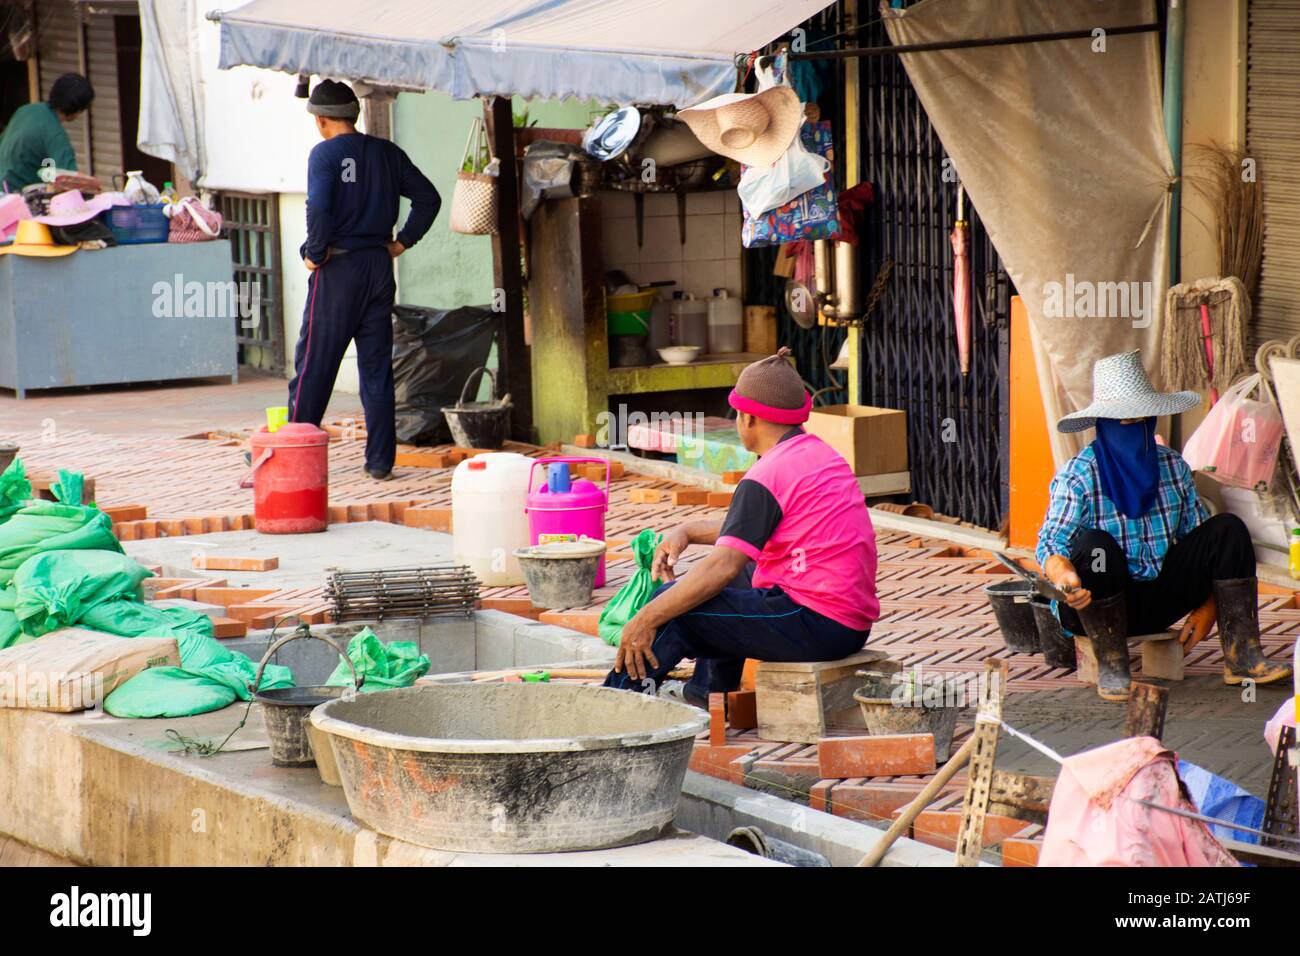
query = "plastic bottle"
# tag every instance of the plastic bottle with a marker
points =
(169, 194)
(690, 321)
(726, 323)
(1295, 554)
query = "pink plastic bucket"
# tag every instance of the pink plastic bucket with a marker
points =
(569, 515)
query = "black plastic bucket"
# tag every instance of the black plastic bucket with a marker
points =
(1058, 647)
(1010, 601)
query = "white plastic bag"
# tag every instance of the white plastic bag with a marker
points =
(1237, 443)
(763, 188)
(139, 191)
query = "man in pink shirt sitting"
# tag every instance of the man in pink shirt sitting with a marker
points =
(792, 576)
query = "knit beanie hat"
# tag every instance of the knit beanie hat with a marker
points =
(334, 100)
(772, 390)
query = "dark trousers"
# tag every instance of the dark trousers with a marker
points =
(1217, 550)
(349, 298)
(740, 622)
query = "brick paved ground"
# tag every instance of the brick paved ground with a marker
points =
(934, 612)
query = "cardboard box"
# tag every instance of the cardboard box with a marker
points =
(75, 668)
(872, 440)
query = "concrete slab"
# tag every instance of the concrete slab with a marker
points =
(108, 792)
(305, 559)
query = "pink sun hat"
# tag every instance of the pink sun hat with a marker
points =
(71, 207)
(13, 209)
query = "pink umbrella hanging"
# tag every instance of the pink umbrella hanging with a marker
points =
(960, 238)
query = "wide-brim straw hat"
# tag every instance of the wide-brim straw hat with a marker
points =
(34, 239)
(1121, 389)
(751, 128)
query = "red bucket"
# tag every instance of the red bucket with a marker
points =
(291, 479)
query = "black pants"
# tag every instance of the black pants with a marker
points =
(349, 298)
(1217, 550)
(741, 621)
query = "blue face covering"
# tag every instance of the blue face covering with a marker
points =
(1127, 464)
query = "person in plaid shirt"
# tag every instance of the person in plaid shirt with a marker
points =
(1128, 540)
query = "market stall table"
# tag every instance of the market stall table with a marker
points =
(130, 313)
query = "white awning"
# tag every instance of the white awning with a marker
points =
(626, 51)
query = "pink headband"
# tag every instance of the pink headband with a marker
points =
(782, 416)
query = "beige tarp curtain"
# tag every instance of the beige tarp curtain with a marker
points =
(1061, 148)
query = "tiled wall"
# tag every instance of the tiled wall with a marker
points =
(709, 259)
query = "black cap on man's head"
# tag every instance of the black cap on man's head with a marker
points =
(334, 100)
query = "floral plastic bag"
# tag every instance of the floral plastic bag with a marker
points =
(1237, 444)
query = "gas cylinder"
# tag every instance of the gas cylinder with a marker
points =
(290, 479)
(487, 515)
(563, 510)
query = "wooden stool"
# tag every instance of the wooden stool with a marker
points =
(802, 702)
(1162, 656)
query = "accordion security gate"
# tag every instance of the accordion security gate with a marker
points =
(958, 425)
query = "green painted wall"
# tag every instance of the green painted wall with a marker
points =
(447, 269)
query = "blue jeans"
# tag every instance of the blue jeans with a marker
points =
(740, 622)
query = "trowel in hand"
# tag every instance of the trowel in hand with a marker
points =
(1043, 586)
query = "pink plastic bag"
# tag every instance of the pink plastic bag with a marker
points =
(1237, 444)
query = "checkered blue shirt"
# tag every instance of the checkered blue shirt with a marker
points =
(1078, 504)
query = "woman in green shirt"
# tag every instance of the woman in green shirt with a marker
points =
(35, 136)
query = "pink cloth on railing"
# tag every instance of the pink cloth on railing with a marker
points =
(1094, 820)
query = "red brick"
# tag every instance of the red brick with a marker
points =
(585, 441)
(521, 606)
(583, 620)
(645, 496)
(720, 499)
(720, 762)
(226, 596)
(431, 519)
(742, 710)
(690, 496)
(151, 587)
(732, 477)
(868, 801)
(940, 827)
(380, 511)
(220, 562)
(717, 719)
(126, 532)
(228, 627)
(1018, 851)
(119, 513)
(888, 755)
(338, 514)
(422, 459)
(172, 527)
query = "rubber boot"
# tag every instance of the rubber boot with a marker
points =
(1238, 616)
(1106, 622)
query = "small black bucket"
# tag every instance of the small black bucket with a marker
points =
(1010, 601)
(479, 424)
(1058, 647)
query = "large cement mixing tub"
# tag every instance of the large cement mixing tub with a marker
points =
(512, 768)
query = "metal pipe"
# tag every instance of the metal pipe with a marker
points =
(1173, 95)
(976, 43)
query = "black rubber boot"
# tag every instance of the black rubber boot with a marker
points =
(1106, 622)
(1237, 604)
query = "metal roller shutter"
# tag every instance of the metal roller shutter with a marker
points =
(58, 40)
(1273, 135)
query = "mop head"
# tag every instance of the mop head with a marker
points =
(1183, 357)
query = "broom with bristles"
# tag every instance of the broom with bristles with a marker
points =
(1206, 322)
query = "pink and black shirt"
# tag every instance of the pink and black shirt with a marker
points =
(800, 516)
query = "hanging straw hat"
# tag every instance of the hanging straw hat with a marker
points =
(34, 239)
(1121, 389)
(751, 128)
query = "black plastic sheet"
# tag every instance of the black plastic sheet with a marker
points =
(434, 350)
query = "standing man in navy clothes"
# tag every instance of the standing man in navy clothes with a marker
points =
(354, 183)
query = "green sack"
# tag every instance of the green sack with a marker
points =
(51, 526)
(383, 666)
(14, 489)
(10, 631)
(634, 595)
(210, 677)
(168, 692)
(55, 588)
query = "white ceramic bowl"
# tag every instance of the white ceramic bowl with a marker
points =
(680, 354)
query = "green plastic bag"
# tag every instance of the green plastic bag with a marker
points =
(211, 676)
(634, 595)
(383, 666)
(14, 489)
(52, 526)
(55, 588)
